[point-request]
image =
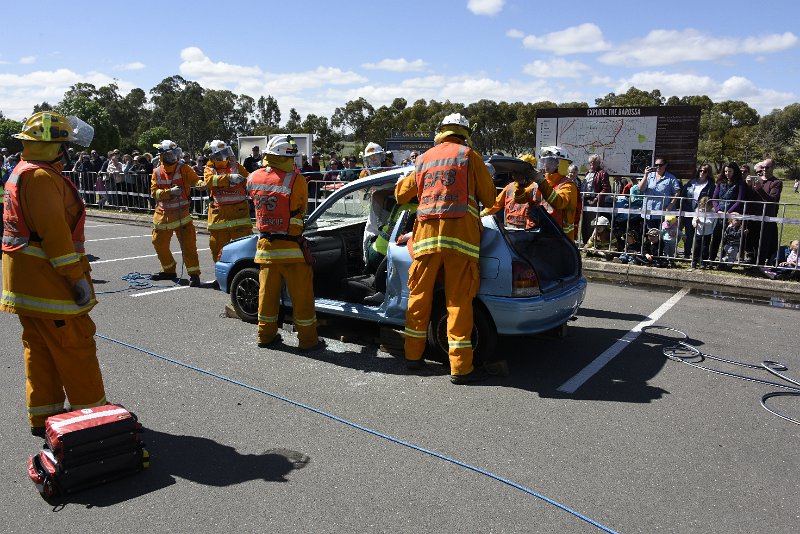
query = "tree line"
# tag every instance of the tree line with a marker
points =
(186, 112)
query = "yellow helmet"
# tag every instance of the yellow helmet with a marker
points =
(51, 127)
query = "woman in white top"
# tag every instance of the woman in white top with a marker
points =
(700, 186)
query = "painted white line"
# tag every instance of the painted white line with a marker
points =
(143, 293)
(113, 238)
(140, 257)
(99, 225)
(571, 385)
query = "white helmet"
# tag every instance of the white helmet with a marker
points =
(373, 155)
(169, 151)
(220, 151)
(554, 152)
(455, 119)
(282, 145)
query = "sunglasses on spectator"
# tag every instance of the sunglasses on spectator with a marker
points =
(659, 164)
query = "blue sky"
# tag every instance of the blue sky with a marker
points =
(322, 54)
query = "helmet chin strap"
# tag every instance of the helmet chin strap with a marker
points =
(63, 155)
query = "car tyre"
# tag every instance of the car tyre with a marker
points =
(484, 335)
(244, 294)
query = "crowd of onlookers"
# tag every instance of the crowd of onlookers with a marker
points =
(716, 219)
(720, 220)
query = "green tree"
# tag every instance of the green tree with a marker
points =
(152, 136)
(268, 113)
(632, 98)
(325, 138)
(355, 116)
(294, 124)
(178, 106)
(83, 101)
(44, 106)
(7, 130)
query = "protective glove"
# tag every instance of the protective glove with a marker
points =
(175, 191)
(83, 293)
(235, 178)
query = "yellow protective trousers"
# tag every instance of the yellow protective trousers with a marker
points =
(461, 282)
(60, 356)
(187, 237)
(300, 283)
(227, 222)
(219, 238)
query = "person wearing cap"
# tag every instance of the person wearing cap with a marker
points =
(599, 243)
(229, 212)
(169, 187)
(449, 181)
(280, 197)
(557, 192)
(651, 250)
(47, 278)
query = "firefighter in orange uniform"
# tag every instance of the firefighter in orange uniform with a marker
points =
(449, 181)
(280, 196)
(229, 213)
(46, 275)
(170, 187)
(558, 191)
(516, 215)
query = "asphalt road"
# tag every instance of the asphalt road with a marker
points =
(645, 444)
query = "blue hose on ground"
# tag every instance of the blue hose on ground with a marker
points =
(136, 282)
(367, 430)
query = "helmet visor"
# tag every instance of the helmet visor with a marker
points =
(83, 133)
(222, 155)
(373, 160)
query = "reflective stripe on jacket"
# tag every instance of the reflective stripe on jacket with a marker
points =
(441, 175)
(164, 181)
(16, 235)
(270, 190)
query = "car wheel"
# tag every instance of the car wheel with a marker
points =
(244, 294)
(484, 335)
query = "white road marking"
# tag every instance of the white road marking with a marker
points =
(140, 257)
(571, 385)
(99, 225)
(143, 293)
(113, 238)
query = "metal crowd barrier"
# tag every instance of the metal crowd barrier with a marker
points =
(131, 191)
(764, 241)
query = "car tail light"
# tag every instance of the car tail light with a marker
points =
(524, 282)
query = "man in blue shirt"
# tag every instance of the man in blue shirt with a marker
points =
(661, 189)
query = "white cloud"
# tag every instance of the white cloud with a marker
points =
(20, 92)
(397, 65)
(665, 47)
(585, 37)
(557, 68)
(515, 34)
(761, 99)
(255, 82)
(136, 65)
(485, 7)
(27, 60)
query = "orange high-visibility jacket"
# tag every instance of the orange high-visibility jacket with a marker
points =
(171, 213)
(38, 278)
(280, 199)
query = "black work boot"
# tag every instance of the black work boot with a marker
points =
(194, 280)
(164, 276)
(477, 375)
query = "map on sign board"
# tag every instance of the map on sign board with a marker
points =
(626, 138)
(626, 144)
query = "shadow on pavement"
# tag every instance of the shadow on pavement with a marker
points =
(200, 460)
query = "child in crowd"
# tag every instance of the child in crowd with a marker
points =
(632, 247)
(600, 240)
(704, 224)
(669, 236)
(651, 250)
(791, 259)
(731, 241)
